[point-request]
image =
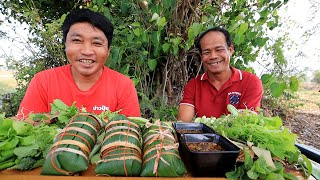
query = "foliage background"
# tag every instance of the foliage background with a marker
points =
(153, 43)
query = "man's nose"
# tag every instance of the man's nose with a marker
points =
(87, 49)
(213, 54)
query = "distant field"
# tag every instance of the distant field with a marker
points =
(7, 82)
(308, 100)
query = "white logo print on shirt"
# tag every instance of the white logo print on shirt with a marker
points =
(100, 108)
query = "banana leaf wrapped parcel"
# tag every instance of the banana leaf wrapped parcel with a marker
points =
(72, 146)
(121, 149)
(160, 152)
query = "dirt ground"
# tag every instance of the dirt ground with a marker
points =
(304, 119)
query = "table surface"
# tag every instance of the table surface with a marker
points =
(86, 175)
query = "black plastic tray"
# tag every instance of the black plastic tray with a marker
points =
(209, 164)
(191, 126)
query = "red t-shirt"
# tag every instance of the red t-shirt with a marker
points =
(243, 90)
(113, 91)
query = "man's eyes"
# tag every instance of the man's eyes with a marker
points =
(209, 52)
(75, 40)
(95, 43)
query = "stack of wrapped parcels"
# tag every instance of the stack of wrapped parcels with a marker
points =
(128, 149)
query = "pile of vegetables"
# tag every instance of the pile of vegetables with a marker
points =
(23, 146)
(268, 147)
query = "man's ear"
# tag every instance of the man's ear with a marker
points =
(231, 49)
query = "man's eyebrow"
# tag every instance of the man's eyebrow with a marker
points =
(75, 34)
(98, 38)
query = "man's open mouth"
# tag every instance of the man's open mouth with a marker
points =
(86, 61)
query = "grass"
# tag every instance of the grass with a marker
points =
(7, 82)
(7, 85)
(308, 99)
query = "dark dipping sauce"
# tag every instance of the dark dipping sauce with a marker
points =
(204, 146)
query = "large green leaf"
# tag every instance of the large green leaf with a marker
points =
(137, 31)
(9, 143)
(155, 16)
(152, 64)
(294, 83)
(162, 22)
(262, 41)
(277, 88)
(243, 28)
(25, 151)
(136, 24)
(251, 35)
(165, 47)
(22, 128)
(267, 78)
(239, 39)
(194, 30)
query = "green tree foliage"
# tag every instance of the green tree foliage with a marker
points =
(154, 40)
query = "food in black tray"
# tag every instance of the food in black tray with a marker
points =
(207, 162)
(190, 128)
(204, 146)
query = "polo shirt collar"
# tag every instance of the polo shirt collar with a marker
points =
(236, 75)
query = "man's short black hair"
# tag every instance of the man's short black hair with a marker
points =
(85, 15)
(217, 29)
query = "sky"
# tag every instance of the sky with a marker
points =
(13, 46)
(297, 16)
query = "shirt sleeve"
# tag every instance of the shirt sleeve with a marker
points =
(189, 93)
(34, 100)
(252, 96)
(128, 99)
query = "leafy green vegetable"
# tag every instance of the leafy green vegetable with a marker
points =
(25, 164)
(26, 151)
(23, 146)
(21, 128)
(266, 133)
(63, 112)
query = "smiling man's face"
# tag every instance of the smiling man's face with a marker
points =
(215, 53)
(86, 49)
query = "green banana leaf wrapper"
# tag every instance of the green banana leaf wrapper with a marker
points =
(70, 151)
(121, 149)
(160, 152)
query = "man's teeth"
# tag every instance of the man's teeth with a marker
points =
(216, 63)
(86, 61)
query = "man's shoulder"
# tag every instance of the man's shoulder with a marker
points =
(248, 75)
(198, 78)
(54, 71)
(250, 78)
(112, 74)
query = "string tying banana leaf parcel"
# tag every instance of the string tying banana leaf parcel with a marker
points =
(72, 146)
(121, 149)
(160, 152)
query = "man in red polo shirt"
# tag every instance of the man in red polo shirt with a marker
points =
(210, 93)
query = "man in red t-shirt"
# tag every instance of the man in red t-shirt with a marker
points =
(210, 93)
(86, 80)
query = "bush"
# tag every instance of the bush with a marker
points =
(316, 76)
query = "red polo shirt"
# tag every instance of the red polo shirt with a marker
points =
(243, 90)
